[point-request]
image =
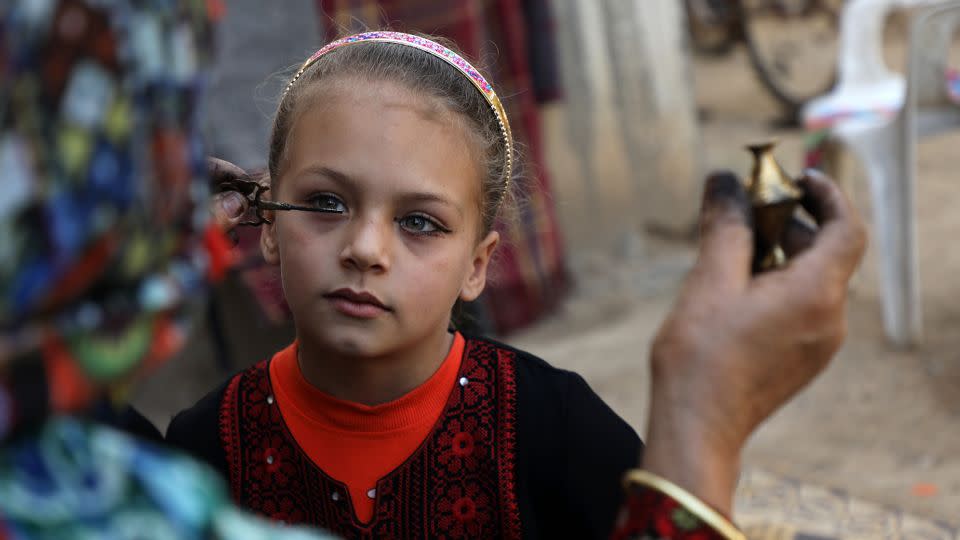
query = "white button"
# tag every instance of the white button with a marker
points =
(372, 493)
(335, 496)
(270, 400)
(269, 460)
(464, 381)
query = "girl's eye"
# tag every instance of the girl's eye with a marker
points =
(418, 224)
(328, 202)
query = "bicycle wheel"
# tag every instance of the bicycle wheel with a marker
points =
(793, 47)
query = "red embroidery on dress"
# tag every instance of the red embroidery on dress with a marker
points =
(508, 443)
(463, 444)
(648, 513)
(229, 433)
(460, 483)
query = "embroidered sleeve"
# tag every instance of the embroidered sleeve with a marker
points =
(656, 509)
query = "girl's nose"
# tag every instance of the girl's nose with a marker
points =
(367, 245)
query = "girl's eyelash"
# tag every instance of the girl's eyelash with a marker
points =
(317, 197)
(440, 228)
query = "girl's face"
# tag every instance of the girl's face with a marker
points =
(383, 275)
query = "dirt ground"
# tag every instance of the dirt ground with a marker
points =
(880, 424)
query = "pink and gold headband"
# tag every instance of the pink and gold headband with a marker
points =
(440, 52)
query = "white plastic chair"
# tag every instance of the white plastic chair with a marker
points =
(879, 114)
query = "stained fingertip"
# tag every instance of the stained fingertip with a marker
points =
(724, 199)
(814, 181)
(221, 170)
(798, 237)
(726, 239)
(822, 198)
(724, 186)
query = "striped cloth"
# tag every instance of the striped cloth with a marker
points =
(819, 126)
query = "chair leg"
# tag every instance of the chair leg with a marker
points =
(889, 167)
(832, 164)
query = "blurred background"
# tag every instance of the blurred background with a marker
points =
(623, 106)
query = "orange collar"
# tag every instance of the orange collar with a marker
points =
(422, 404)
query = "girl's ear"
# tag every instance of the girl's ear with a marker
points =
(269, 245)
(476, 279)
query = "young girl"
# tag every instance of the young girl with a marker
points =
(395, 156)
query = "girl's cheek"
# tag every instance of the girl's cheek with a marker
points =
(305, 253)
(307, 234)
(444, 275)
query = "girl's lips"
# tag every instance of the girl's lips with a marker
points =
(357, 310)
(359, 305)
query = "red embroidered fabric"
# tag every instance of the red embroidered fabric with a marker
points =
(460, 483)
(354, 443)
(648, 513)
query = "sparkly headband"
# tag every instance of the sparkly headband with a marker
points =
(440, 52)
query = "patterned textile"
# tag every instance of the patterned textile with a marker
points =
(653, 514)
(880, 111)
(650, 514)
(103, 233)
(953, 84)
(263, 280)
(542, 49)
(819, 126)
(75, 480)
(816, 148)
(514, 39)
(459, 484)
(103, 238)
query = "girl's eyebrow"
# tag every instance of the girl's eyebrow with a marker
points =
(426, 197)
(334, 175)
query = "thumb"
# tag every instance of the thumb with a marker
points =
(228, 208)
(726, 239)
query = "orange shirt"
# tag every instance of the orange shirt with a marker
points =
(357, 444)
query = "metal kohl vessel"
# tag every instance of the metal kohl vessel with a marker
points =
(774, 196)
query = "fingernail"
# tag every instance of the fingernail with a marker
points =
(724, 185)
(232, 204)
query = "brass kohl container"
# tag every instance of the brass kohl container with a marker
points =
(774, 196)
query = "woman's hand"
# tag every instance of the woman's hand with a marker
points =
(736, 346)
(228, 207)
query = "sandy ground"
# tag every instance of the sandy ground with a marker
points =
(877, 423)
